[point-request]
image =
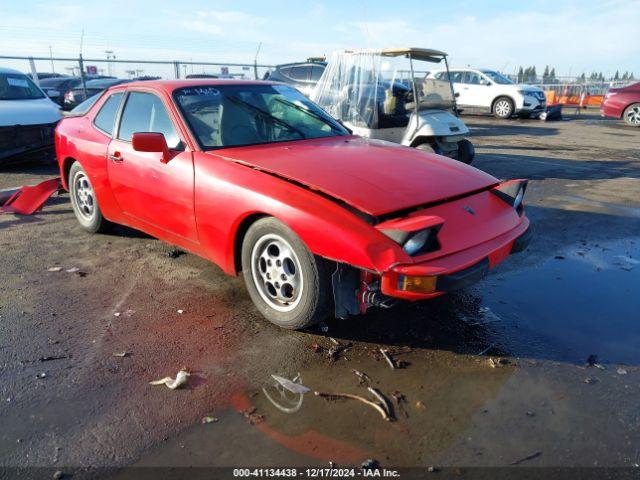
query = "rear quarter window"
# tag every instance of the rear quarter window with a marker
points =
(106, 117)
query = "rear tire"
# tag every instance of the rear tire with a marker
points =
(84, 201)
(631, 115)
(288, 284)
(503, 107)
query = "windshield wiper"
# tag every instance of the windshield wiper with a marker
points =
(267, 115)
(310, 112)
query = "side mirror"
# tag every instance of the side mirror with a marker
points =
(151, 142)
(52, 93)
(457, 94)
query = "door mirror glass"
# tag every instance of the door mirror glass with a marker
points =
(51, 93)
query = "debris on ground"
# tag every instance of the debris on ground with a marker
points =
(180, 312)
(363, 378)
(58, 475)
(54, 269)
(48, 359)
(621, 371)
(181, 379)
(175, 253)
(498, 362)
(559, 257)
(121, 354)
(401, 401)
(290, 385)
(486, 349)
(590, 380)
(72, 270)
(384, 403)
(333, 353)
(389, 360)
(531, 414)
(117, 314)
(207, 420)
(420, 405)
(252, 416)
(316, 348)
(370, 464)
(333, 396)
(531, 456)
(41, 375)
(592, 361)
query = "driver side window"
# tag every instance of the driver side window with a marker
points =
(472, 78)
(145, 112)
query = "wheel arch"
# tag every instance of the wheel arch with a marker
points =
(238, 238)
(65, 168)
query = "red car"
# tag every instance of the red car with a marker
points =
(623, 103)
(256, 178)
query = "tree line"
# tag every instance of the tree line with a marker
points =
(529, 75)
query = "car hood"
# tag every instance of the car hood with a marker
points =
(527, 88)
(373, 176)
(28, 112)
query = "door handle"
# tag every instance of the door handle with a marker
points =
(116, 157)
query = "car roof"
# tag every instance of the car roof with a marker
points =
(10, 70)
(170, 85)
(427, 54)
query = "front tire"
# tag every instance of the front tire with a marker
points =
(466, 151)
(287, 283)
(631, 115)
(503, 108)
(84, 201)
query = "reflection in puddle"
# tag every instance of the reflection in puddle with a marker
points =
(584, 301)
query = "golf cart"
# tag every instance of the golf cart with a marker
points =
(374, 93)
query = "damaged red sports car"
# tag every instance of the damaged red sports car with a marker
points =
(256, 178)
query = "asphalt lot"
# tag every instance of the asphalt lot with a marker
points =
(574, 293)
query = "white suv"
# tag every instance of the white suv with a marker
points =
(487, 90)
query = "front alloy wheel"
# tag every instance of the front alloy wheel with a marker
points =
(288, 284)
(632, 115)
(503, 108)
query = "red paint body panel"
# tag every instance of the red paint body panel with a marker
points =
(374, 176)
(618, 99)
(199, 200)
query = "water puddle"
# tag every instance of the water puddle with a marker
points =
(584, 301)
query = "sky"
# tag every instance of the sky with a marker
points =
(572, 36)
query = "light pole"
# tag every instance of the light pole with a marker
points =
(110, 56)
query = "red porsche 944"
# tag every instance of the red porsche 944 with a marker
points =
(256, 178)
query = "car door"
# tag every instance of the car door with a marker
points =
(475, 90)
(156, 194)
(456, 77)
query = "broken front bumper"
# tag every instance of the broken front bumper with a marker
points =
(435, 277)
(19, 139)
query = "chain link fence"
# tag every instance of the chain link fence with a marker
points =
(42, 67)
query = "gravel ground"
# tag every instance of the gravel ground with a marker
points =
(574, 293)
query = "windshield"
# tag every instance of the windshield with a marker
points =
(234, 115)
(15, 86)
(497, 77)
(57, 82)
(372, 91)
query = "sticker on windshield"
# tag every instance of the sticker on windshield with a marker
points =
(200, 91)
(17, 82)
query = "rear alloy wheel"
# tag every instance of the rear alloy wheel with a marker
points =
(288, 284)
(84, 201)
(503, 108)
(632, 115)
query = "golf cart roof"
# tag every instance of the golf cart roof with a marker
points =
(427, 54)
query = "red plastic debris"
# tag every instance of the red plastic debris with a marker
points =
(31, 198)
